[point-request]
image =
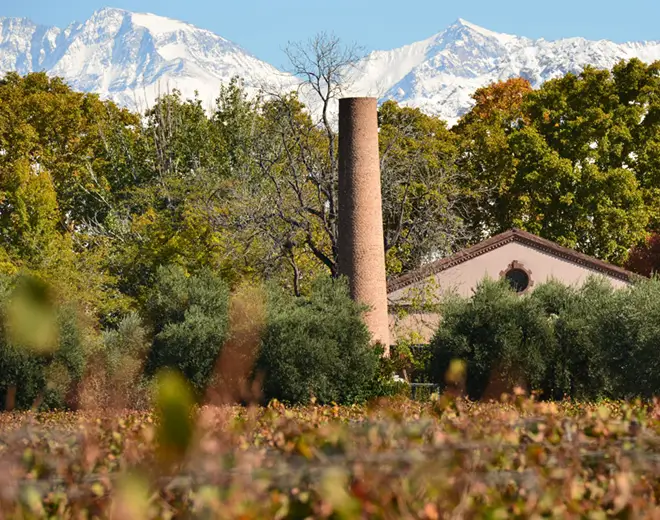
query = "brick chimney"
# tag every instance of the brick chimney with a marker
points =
(361, 242)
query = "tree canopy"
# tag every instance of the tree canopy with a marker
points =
(573, 161)
(99, 198)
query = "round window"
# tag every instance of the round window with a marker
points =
(518, 279)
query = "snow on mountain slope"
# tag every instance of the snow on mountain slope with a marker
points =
(131, 58)
(440, 74)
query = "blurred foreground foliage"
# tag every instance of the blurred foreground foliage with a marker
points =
(393, 459)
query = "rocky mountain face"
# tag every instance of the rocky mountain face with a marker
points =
(132, 58)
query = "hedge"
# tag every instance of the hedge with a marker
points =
(586, 343)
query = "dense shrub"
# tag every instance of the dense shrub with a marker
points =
(629, 335)
(316, 346)
(587, 342)
(576, 366)
(127, 342)
(42, 348)
(116, 378)
(189, 315)
(504, 339)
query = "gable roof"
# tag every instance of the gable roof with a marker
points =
(513, 235)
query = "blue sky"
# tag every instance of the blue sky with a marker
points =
(264, 26)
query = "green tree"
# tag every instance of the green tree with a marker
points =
(304, 355)
(189, 315)
(68, 134)
(59, 172)
(559, 160)
(486, 156)
(423, 196)
(170, 214)
(29, 215)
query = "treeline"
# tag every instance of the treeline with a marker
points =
(248, 188)
(96, 200)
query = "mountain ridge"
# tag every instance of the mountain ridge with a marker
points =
(131, 58)
(444, 70)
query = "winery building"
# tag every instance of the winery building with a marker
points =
(524, 259)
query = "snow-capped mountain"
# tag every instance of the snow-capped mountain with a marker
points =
(440, 74)
(131, 58)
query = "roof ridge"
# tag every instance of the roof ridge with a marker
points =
(496, 241)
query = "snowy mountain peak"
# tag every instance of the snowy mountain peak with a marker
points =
(106, 13)
(469, 27)
(440, 74)
(133, 57)
(157, 25)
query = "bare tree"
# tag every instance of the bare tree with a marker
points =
(324, 66)
(290, 193)
(294, 157)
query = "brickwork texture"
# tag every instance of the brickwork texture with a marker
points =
(361, 243)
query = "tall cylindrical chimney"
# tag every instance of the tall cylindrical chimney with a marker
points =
(361, 243)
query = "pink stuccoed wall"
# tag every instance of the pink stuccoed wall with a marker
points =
(463, 278)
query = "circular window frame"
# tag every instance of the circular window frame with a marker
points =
(518, 266)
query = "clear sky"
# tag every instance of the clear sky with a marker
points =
(264, 26)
